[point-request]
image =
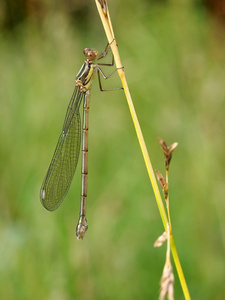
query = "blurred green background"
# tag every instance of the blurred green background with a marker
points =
(174, 58)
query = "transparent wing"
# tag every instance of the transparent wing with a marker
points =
(65, 158)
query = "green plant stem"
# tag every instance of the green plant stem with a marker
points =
(179, 269)
(106, 21)
(167, 201)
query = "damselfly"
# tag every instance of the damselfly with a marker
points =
(64, 161)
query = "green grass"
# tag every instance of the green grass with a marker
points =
(175, 66)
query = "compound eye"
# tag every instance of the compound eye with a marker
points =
(90, 54)
(86, 51)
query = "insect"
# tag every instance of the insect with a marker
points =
(64, 161)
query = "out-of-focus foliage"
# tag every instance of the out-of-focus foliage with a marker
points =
(174, 58)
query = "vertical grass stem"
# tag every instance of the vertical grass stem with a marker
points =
(106, 21)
